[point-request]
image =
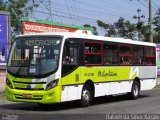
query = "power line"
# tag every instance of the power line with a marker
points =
(100, 8)
(74, 6)
(148, 5)
(101, 13)
(68, 9)
(67, 16)
(155, 4)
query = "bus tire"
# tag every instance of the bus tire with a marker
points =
(134, 94)
(86, 96)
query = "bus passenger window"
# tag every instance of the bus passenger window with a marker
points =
(150, 57)
(138, 52)
(125, 55)
(110, 54)
(93, 53)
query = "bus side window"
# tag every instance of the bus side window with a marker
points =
(93, 53)
(125, 54)
(150, 56)
(70, 59)
(138, 52)
(110, 54)
(70, 55)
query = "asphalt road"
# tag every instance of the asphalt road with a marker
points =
(148, 103)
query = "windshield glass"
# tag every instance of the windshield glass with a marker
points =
(34, 56)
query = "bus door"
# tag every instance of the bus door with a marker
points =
(70, 71)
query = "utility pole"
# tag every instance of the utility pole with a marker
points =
(150, 20)
(47, 7)
(139, 20)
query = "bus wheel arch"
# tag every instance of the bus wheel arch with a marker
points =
(87, 93)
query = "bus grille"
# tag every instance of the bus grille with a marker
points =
(29, 85)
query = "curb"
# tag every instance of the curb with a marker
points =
(157, 87)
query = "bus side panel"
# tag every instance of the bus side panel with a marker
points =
(147, 72)
(107, 80)
(148, 84)
(70, 93)
(147, 76)
(120, 87)
(111, 88)
(72, 86)
(101, 89)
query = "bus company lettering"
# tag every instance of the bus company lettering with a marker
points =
(106, 73)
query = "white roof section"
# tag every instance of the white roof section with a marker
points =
(89, 36)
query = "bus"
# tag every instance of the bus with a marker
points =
(48, 68)
(158, 59)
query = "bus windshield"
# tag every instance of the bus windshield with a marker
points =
(34, 56)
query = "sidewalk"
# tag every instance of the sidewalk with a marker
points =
(2, 80)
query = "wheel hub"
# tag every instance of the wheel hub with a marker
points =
(86, 95)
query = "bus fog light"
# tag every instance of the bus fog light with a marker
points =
(8, 83)
(52, 84)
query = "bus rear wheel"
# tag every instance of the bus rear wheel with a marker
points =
(134, 94)
(86, 96)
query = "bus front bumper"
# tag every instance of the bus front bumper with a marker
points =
(37, 96)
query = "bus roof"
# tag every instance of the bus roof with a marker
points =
(90, 36)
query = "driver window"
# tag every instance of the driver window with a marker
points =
(70, 55)
(70, 59)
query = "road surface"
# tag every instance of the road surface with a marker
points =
(148, 103)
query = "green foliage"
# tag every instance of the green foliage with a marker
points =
(2, 5)
(156, 22)
(145, 32)
(125, 28)
(111, 30)
(121, 28)
(103, 26)
(94, 28)
(17, 9)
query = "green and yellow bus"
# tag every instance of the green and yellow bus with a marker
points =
(50, 68)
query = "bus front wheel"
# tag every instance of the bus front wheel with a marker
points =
(86, 96)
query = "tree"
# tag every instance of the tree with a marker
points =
(156, 22)
(121, 28)
(103, 26)
(17, 9)
(111, 30)
(130, 29)
(2, 5)
(94, 28)
(145, 32)
(125, 28)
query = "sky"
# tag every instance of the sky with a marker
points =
(80, 12)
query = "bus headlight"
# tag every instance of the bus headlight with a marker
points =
(8, 83)
(52, 84)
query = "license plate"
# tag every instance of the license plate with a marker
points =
(27, 95)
